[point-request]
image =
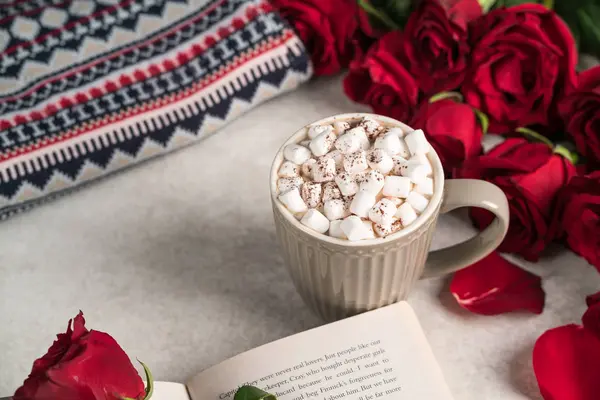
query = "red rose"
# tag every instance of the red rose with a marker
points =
(530, 175)
(581, 113)
(380, 80)
(325, 28)
(578, 215)
(566, 360)
(523, 59)
(82, 365)
(435, 43)
(452, 129)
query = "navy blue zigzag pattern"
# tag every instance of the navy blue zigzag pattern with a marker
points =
(101, 157)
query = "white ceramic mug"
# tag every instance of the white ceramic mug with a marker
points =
(338, 278)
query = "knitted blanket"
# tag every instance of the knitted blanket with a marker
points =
(88, 88)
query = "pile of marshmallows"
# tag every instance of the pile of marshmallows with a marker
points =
(356, 180)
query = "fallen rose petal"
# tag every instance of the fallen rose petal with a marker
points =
(591, 318)
(495, 286)
(566, 361)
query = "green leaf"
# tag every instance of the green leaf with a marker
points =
(486, 5)
(252, 393)
(583, 18)
(378, 15)
(589, 23)
(483, 120)
(456, 96)
(549, 4)
(149, 380)
(531, 134)
(396, 11)
(566, 153)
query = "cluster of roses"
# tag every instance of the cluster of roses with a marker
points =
(457, 72)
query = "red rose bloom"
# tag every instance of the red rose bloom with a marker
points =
(380, 80)
(523, 59)
(578, 216)
(581, 114)
(325, 28)
(530, 175)
(435, 43)
(566, 360)
(82, 365)
(452, 129)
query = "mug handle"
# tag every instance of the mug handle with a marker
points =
(470, 193)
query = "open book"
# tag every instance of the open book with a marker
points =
(381, 354)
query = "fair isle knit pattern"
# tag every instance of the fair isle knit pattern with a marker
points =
(88, 88)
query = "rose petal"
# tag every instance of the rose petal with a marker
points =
(566, 361)
(495, 286)
(591, 318)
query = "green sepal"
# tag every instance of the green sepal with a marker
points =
(456, 96)
(484, 120)
(252, 393)
(566, 153)
(530, 133)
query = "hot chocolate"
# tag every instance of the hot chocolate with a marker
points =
(356, 179)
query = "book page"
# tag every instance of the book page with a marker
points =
(382, 354)
(170, 391)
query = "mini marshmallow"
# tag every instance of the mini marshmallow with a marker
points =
(369, 228)
(371, 127)
(340, 127)
(347, 202)
(396, 200)
(331, 191)
(348, 144)
(391, 144)
(308, 167)
(425, 188)
(395, 131)
(346, 183)
(287, 184)
(417, 201)
(315, 220)
(355, 162)
(373, 182)
(384, 230)
(321, 144)
(397, 186)
(316, 130)
(335, 229)
(422, 159)
(324, 170)
(361, 134)
(337, 157)
(311, 194)
(293, 201)
(288, 169)
(417, 142)
(382, 212)
(406, 214)
(362, 203)
(334, 209)
(379, 160)
(414, 170)
(296, 153)
(360, 177)
(398, 164)
(354, 228)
